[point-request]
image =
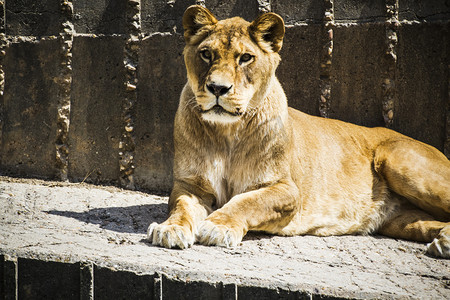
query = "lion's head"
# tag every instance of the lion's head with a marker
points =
(230, 63)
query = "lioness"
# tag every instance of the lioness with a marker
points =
(245, 161)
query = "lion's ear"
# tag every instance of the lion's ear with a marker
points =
(268, 31)
(194, 19)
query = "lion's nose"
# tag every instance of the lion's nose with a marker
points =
(218, 90)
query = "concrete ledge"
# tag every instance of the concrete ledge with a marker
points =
(82, 241)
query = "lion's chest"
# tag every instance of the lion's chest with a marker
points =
(229, 175)
(216, 175)
(226, 178)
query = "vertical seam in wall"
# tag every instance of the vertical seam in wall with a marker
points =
(3, 45)
(86, 280)
(10, 277)
(157, 287)
(264, 6)
(229, 291)
(447, 124)
(65, 82)
(131, 58)
(389, 87)
(326, 60)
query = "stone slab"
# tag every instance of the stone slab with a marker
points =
(161, 76)
(357, 74)
(29, 109)
(33, 18)
(163, 15)
(47, 280)
(294, 11)
(430, 10)
(422, 82)
(68, 224)
(246, 9)
(96, 108)
(116, 284)
(100, 17)
(299, 71)
(360, 11)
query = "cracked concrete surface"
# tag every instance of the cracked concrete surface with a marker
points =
(55, 221)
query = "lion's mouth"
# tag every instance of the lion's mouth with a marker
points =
(219, 110)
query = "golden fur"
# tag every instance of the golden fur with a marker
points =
(245, 161)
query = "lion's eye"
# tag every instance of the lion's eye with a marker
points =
(205, 55)
(245, 58)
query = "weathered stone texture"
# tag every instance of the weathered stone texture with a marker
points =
(294, 11)
(299, 71)
(360, 11)
(163, 15)
(246, 9)
(178, 289)
(39, 279)
(419, 10)
(31, 17)
(29, 109)
(356, 95)
(114, 284)
(99, 17)
(161, 79)
(8, 277)
(422, 82)
(95, 122)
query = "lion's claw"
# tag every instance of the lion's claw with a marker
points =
(170, 236)
(220, 235)
(439, 247)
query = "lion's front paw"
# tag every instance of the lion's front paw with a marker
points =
(220, 235)
(440, 247)
(170, 236)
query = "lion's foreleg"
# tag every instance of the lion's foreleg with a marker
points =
(269, 208)
(178, 231)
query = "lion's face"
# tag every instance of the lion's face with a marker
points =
(230, 63)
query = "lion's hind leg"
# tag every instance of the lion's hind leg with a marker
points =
(417, 225)
(421, 174)
(418, 172)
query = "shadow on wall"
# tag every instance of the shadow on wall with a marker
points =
(129, 219)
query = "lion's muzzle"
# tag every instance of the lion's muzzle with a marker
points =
(219, 110)
(218, 90)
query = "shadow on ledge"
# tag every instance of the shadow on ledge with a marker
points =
(129, 219)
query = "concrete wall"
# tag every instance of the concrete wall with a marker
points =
(89, 89)
(26, 278)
